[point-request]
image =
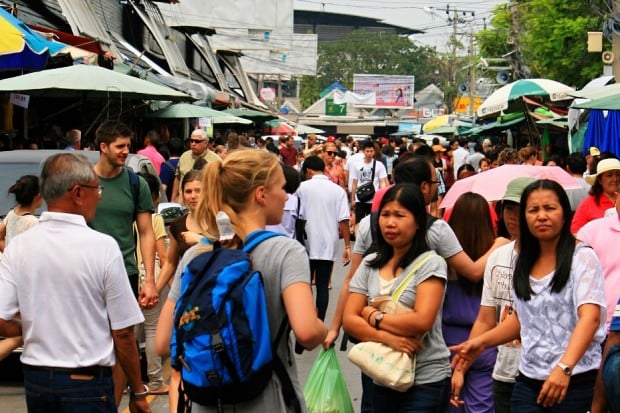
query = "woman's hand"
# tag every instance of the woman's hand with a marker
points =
(554, 389)
(407, 345)
(190, 237)
(330, 338)
(458, 380)
(465, 354)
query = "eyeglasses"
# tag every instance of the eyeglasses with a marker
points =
(197, 141)
(99, 187)
(331, 153)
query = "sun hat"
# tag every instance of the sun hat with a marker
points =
(438, 148)
(609, 164)
(516, 187)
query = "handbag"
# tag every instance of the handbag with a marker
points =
(300, 226)
(366, 192)
(386, 366)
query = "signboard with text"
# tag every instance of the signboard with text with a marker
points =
(333, 109)
(392, 91)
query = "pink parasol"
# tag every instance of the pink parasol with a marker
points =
(492, 183)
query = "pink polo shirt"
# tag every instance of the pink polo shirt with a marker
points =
(603, 235)
(156, 158)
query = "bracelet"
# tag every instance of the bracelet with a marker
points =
(371, 314)
(141, 395)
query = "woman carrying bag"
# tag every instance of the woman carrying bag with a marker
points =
(402, 246)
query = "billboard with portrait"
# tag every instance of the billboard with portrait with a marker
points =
(391, 91)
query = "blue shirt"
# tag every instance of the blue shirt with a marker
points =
(615, 321)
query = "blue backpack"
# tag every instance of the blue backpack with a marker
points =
(222, 340)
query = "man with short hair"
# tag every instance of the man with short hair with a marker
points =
(199, 149)
(325, 208)
(73, 139)
(117, 212)
(368, 170)
(74, 299)
(150, 142)
(288, 152)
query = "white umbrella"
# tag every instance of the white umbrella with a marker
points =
(500, 100)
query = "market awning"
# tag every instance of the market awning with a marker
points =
(493, 126)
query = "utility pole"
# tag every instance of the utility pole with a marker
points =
(472, 75)
(514, 40)
(455, 16)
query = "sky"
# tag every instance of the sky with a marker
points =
(416, 14)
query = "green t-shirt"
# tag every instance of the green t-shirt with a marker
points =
(115, 214)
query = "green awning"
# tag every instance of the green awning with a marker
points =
(493, 126)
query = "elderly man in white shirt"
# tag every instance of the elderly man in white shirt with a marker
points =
(76, 306)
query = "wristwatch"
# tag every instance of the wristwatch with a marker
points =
(378, 318)
(565, 369)
(141, 395)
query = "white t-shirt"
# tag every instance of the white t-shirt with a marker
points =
(497, 293)
(460, 158)
(363, 174)
(351, 165)
(548, 319)
(324, 205)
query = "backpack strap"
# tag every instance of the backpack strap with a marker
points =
(256, 237)
(134, 184)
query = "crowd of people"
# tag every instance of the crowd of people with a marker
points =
(512, 305)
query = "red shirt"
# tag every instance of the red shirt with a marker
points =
(289, 155)
(588, 211)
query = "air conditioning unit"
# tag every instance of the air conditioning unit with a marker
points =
(607, 57)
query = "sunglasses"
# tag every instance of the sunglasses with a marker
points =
(197, 141)
(331, 153)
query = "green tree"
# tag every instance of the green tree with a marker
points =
(308, 91)
(551, 37)
(365, 52)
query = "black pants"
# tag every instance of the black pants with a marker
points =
(322, 271)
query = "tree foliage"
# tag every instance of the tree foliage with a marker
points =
(365, 52)
(551, 36)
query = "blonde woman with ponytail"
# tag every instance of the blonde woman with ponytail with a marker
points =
(249, 187)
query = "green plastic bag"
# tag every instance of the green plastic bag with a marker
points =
(325, 390)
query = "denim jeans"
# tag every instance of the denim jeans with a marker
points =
(422, 398)
(611, 378)
(578, 396)
(51, 392)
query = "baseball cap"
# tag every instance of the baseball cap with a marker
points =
(516, 187)
(594, 151)
(330, 139)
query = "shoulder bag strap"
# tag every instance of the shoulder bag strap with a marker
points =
(372, 178)
(403, 284)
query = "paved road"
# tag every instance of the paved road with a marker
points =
(12, 392)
